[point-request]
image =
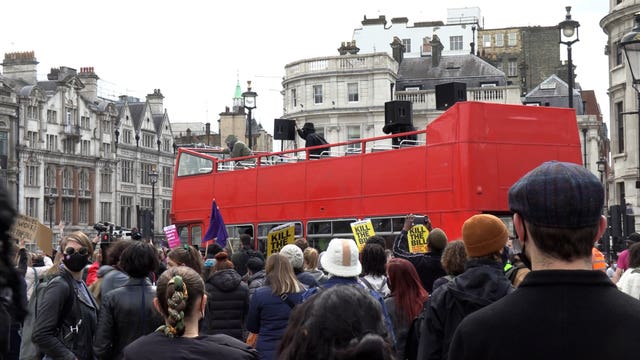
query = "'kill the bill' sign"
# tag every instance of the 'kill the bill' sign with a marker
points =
(362, 230)
(280, 236)
(417, 238)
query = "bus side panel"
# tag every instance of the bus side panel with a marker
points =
(235, 193)
(281, 192)
(334, 187)
(192, 198)
(393, 181)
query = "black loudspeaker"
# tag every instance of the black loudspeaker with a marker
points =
(616, 221)
(449, 94)
(398, 112)
(284, 129)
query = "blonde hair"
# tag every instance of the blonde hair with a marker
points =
(280, 275)
(310, 258)
(79, 237)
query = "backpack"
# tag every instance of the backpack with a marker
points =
(413, 335)
(379, 289)
(29, 350)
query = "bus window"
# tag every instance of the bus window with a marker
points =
(319, 233)
(264, 228)
(191, 165)
(234, 231)
(196, 235)
(381, 225)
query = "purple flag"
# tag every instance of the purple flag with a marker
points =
(216, 228)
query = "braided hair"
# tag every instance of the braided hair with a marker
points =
(178, 290)
(9, 277)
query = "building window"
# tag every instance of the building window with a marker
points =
(105, 211)
(67, 179)
(32, 138)
(512, 39)
(166, 208)
(126, 209)
(83, 180)
(620, 123)
(32, 112)
(146, 203)
(105, 182)
(106, 149)
(166, 145)
(486, 40)
(127, 136)
(353, 133)
(407, 45)
(4, 143)
(147, 140)
(52, 116)
(167, 177)
(85, 147)
(352, 89)
(145, 170)
(513, 68)
(294, 98)
(619, 54)
(85, 122)
(84, 206)
(52, 142)
(317, 94)
(68, 146)
(50, 213)
(50, 177)
(499, 40)
(32, 207)
(126, 169)
(33, 178)
(105, 126)
(67, 210)
(455, 42)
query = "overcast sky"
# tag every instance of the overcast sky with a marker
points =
(194, 50)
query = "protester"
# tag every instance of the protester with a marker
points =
(186, 255)
(92, 270)
(210, 259)
(257, 274)
(67, 315)
(374, 275)
(302, 243)
(629, 282)
(245, 252)
(427, 265)
(308, 133)
(112, 274)
(623, 257)
(453, 259)
(563, 309)
(310, 266)
(181, 299)
(406, 301)
(228, 300)
(236, 148)
(343, 322)
(13, 306)
(127, 312)
(341, 262)
(483, 282)
(296, 258)
(272, 304)
(40, 265)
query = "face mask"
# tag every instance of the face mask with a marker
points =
(75, 262)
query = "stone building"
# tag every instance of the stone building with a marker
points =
(527, 55)
(75, 157)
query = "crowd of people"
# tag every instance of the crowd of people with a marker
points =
(493, 294)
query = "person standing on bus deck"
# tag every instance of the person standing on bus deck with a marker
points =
(563, 309)
(236, 148)
(308, 133)
(428, 265)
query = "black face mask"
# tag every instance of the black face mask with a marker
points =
(75, 262)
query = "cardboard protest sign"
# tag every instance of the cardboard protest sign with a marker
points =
(417, 238)
(280, 236)
(362, 230)
(171, 233)
(31, 230)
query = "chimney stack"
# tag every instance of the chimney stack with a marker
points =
(436, 51)
(90, 81)
(155, 101)
(20, 66)
(397, 49)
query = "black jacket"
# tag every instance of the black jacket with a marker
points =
(66, 320)
(428, 266)
(227, 304)
(312, 139)
(482, 283)
(240, 258)
(126, 314)
(256, 280)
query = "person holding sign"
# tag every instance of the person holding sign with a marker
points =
(427, 264)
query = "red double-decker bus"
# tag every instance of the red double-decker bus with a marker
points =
(462, 164)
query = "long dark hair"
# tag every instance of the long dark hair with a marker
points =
(9, 277)
(406, 288)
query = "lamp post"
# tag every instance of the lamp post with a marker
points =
(52, 202)
(153, 178)
(249, 98)
(630, 43)
(569, 35)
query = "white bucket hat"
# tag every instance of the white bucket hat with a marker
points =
(341, 258)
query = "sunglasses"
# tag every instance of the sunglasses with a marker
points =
(82, 251)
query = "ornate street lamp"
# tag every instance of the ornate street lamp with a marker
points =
(249, 98)
(153, 179)
(569, 35)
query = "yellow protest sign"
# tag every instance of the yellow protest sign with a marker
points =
(31, 230)
(417, 238)
(362, 230)
(280, 236)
